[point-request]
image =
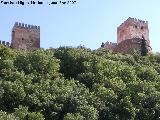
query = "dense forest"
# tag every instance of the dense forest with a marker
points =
(70, 83)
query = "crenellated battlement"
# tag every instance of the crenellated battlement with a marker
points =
(133, 21)
(26, 26)
(4, 43)
(110, 43)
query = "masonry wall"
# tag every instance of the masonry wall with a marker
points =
(130, 45)
(110, 46)
(25, 37)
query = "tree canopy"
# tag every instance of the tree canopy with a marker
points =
(70, 83)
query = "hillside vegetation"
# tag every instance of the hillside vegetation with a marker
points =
(78, 84)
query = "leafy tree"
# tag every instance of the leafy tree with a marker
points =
(78, 84)
(39, 64)
(144, 49)
(6, 53)
(72, 60)
(7, 116)
(75, 116)
(23, 114)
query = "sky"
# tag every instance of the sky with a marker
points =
(86, 22)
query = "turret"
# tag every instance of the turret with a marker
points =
(25, 37)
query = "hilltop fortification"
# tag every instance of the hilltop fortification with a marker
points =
(129, 36)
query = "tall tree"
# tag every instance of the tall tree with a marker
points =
(144, 49)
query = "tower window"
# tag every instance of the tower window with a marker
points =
(31, 40)
(141, 27)
(136, 26)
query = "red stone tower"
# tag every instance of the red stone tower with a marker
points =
(133, 29)
(129, 36)
(25, 37)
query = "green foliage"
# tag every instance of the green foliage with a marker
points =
(6, 53)
(39, 64)
(6, 116)
(75, 116)
(72, 60)
(144, 49)
(147, 73)
(23, 114)
(78, 84)
(13, 94)
(88, 79)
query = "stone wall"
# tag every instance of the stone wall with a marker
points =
(131, 45)
(110, 46)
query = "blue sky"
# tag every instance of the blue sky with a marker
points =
(87, 22)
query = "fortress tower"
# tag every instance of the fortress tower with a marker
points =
(129, 36)
(133, 28)
(25, 37)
